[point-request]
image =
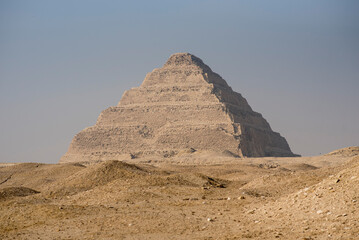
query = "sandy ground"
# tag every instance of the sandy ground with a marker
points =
(193, 196)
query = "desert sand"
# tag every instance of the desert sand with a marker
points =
(197, 195)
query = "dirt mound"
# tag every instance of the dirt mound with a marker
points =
(35, 175)
(282, 183)
(346, 152)
(10, 192)
(331, 204)
(96, 175)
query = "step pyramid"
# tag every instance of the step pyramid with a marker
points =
(183, 106)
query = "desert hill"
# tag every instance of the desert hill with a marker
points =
(214, 196)
(326, 210)
(349, 151)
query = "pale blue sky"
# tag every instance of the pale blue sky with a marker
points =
(63, 62)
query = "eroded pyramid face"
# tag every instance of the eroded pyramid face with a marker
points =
(183, 105)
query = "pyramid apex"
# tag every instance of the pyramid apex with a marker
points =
(177, 59)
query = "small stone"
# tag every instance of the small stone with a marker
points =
(210, 220)
(319, 212)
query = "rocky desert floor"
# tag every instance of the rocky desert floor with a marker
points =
(193, 196)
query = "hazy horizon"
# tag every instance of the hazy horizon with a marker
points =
(63, 62)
